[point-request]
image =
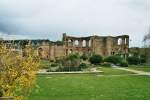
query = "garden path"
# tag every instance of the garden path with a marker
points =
(132, 70)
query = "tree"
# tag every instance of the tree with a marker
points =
(70, 62)
(113, 59)
(84, 56)
(133, 60)
(146, 39)
(95, 59)
(17, 73)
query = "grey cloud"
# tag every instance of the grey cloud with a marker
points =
(50, 18)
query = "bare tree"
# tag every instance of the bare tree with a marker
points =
(146, 39)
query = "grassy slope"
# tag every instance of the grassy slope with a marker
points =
(91, 87)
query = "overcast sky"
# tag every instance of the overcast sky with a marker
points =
(48, 19)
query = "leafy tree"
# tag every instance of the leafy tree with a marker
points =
(113, 59)
(83, 65)
(84, 57)
(133, 60)
(124, 63)
(70, 63)
(17, 73)
(96, 59)
(143, 58)
(146, 39)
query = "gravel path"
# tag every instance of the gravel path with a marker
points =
(134, 71)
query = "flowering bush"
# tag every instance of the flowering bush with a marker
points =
(17, 73)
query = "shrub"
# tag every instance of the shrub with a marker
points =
(96, 59)
(142, 60)
(17, 73)
(1, 93)
(84, 57)
(54, 65)
(133, 60)
(44, 64)
(106, 64)
(113, 59)
(69, 63)
(82, 66)
(51, 60)
(124, 64)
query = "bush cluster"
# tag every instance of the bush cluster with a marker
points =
(54, 64)
(124, 63)
(133, 60)
(70, 63)
(106, 64)
(84, 57)
(113, 59)
(96, 59)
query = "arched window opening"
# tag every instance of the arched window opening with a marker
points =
(84, 43)
(70, 51)
(89, 43)
(125, 41)
(69, 41)
(76, 43)
(119, 41)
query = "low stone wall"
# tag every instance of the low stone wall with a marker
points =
(78, 72)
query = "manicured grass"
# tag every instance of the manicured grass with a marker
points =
(113, 71)
(140, 68)
(91, 87)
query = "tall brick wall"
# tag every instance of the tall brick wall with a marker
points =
(103, 45)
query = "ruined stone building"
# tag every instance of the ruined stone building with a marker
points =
(103, 45)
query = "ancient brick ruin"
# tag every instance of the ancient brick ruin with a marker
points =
(103, 45)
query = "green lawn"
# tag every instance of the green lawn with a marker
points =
(140, 68)
(113, 71)
(92, 87)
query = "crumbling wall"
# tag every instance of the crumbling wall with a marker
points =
(103, 45)
(77, 45)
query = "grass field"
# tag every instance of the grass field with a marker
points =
(112, 71)
(140, 68)
(92, 87)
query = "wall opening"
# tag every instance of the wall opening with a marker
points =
(76, 43)
(119, 41)
(125, 41)
(84, 43)
(70, 42)
(70, 51)
(89, 43)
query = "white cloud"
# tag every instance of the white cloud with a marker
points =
(10, 37)
(48, 18)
